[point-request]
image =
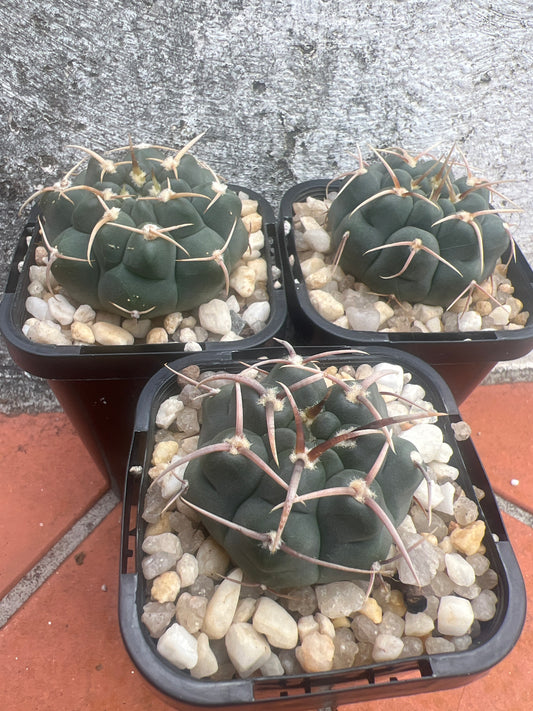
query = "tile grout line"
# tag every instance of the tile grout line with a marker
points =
(53, 558)
(51, 561)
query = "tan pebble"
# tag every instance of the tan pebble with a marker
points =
(260, 268)
(467, 539)
(521, 319)
(109, 334)
(172, 321)
(82, 332)
(316, 652)
(312, 265)
(340, 622)
(162, 525)
(243, 280)
(328, 307)
(166, 587)
(47, 334)
(396, 603)
(483, 307)
(248, 206)
(164, 451)
(372, 610)
(41, 255)
(157, 335)
(253, 222)
(320, 278)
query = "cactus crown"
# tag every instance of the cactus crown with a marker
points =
(297, 473)
(406, 226)
(142, 231)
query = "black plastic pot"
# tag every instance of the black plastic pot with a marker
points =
(98, 386)
(427, 673)
(463, 359)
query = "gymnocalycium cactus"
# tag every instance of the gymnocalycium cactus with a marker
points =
(406, 226)
(147, 232)
(299, 479)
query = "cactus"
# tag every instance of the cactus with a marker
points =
(406, 226)
(143, 232)
(297, 473)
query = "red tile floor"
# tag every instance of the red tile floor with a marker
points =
(60, 644)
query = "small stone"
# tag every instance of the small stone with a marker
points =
(391, 624)
(164, 451)
(222, 605)
(418, 624)
(273, 666)
(172, 321)
(345, 649)
(85, 314)
(439, 645)
(168, 411)
(469, 321)
(252, 222)
(484, 605)
(367, 319)
(480, 563)
(364, 629)
(427, 438)
(385, 312)
(163, 543)
(157, 616)
(247, 649)
(412, 647)
(318, 279)
(372, 610)
(157, 564)
(61, 310)
(187, 569)
(459, 570)
(465, 511)
(256, 315)
(207, 663)
(166, 587)
(37, 308)
(339, 598)
(327, 306)
(187, 421)
(316, 652)
(157, 335)
(276, 624)
(243, 280)
(179, 647)
(455, 616)
(82, 333)
(312, 265)
(215, 317)
(315, 236)
(138, 327)
(467, 540)
(212, 559)
(108, 334)
(245, 609)
(190, 611)
(302, 600)
(46, 333)
(500, 315)
(386, 647)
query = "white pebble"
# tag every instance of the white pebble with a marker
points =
(47, 333)
(455, 616)
(427, 438)
(386, 647)
(168, 411)
(243, 280)
(469, 321)
(179, 647)
(38, 308)
(61, 310)
(214, 316)
(222, 605)
(256, 313)
(247, 649)
(278, 626)
(459, 570)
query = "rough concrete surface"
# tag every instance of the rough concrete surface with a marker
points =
(285, 90)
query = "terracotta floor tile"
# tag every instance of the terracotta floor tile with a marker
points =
(502, 430)
(48, 481)
(63, 650)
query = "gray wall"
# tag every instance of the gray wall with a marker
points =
(284, 88)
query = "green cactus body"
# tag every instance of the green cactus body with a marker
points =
(143, 234)
(415, 231)
(236, 490)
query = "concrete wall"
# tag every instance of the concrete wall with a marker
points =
(284, 88)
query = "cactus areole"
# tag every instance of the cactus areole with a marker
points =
(142, 232)
(406, 226)
(298, 477)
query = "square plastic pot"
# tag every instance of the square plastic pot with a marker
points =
(427, 673)
(463, 359)
(98, 386)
